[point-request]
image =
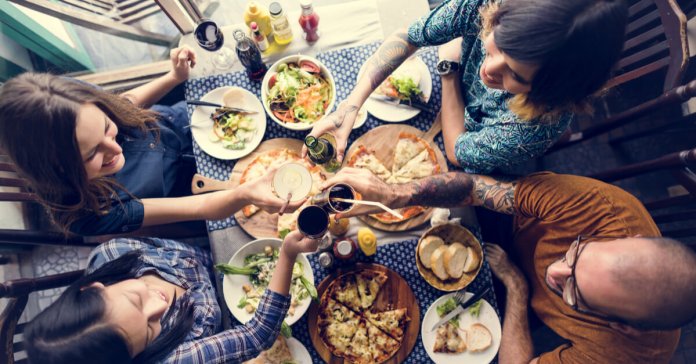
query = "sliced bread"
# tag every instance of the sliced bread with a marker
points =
(473, 260)
(437, 262)
(427, 247)
(478, 338)
(456, 256)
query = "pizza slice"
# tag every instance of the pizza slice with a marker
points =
(358, 351)
(392, 322)
(337, 326)
(362, 158)
(423, 165)
(408, 147)
(278, 353)
(369, 283)
(449, 340)
(381, 345)
(345, 290)
(407, 213)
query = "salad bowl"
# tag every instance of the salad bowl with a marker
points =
(298, 96)
(233, 284)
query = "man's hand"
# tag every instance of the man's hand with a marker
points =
(183, 59)
(339, 123)
(367, 185)
(260, 192)
(503, 268)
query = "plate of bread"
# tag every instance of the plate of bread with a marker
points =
(449, 257)
(471, 337)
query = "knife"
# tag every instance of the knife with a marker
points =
(460, 308)
(414, 103)
(226, 108)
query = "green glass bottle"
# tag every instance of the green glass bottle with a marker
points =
(322, 151)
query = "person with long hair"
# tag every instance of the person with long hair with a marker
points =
(514, 73)
(104, 163)
(154, 300)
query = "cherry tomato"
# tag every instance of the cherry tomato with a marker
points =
(309, 66)
(272, 80)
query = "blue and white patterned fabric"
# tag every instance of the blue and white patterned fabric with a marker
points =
(495, 136)
(344, 64)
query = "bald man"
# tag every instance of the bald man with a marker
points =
(592, 259)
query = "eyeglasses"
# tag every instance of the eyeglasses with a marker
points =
(571, 293)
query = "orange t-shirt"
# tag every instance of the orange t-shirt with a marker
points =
(552, 210)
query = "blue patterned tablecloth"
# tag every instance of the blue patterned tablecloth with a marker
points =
(344, 65)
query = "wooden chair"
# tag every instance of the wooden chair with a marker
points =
(668, 210)
(655, 40)
(17, 294)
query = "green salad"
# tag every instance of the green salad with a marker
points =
(299, 93)
(449, 305)
(233, 129)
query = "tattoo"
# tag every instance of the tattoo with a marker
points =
(495, 195)
(339, 117)
(388, 57)
(443, 190)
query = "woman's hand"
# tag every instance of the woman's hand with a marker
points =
(260, 193)
(369, 186)
(183, 59)
(296, 243)
(451, 51)
(339, 123)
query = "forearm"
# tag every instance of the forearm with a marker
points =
(282, 275)
(210, 206)
(516, 342)
(151, 92)
(452, 114)
(456, 189)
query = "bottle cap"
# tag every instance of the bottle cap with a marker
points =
(275, 9)
(310, 141)
(253, 26)
(344, 247)
(306, 3)
(238, 35)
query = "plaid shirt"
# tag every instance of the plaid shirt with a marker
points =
(189, 267)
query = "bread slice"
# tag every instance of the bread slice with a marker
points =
(427, 247)
(478, 338)
(456, 256)
(472, 261)
(437, 262)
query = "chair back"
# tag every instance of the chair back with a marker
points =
(17, 292)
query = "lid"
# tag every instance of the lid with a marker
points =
(344, 247)
(253, 26)
(275, 9)
(294, 179)
(306, 3)
(238, 35)
(252, 7)
(310, 141)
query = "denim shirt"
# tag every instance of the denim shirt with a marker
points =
(153, 168)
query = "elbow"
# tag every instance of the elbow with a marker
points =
(451, 155)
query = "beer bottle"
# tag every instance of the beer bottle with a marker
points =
(322, 151)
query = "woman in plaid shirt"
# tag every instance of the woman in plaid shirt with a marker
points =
(153, 300)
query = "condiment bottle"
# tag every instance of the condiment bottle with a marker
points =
(282, 33)
(258, 37)
(249, 55)
(367, 241)
(344, 249)
(326, 260)
(322, 151)
(257, 13)
(309, 21)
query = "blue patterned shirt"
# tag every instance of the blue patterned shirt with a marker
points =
(495, 136)
(189, 268)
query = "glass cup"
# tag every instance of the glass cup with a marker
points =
(339, 190)
(209, 36)
(313, 222)
(294, 180)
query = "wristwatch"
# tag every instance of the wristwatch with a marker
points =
(445, 67)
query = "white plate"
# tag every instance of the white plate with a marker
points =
(296, 59)
(487, 317)
(393, 113)
(299, 352)
(232, 283)
(202, 125)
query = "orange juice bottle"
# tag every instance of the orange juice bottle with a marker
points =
(257, 13)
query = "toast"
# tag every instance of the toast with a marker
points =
(455, 258)
(437, 263)
(427, 247)
(472, 261)
(478, 338)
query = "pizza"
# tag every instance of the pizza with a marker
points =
(449, 340)
(414, 158)
(279, 353)
(351, 328)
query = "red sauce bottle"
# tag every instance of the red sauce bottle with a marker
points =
(344, 249)
(309, 21)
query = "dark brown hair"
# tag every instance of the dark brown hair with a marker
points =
(38, 116)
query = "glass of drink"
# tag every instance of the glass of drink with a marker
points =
(294, 180)
(326, 198)
(313, 222)
(209, 36)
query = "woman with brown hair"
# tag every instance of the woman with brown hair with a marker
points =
(104, 163)
(514, 73)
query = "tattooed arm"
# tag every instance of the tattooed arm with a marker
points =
(388, 57)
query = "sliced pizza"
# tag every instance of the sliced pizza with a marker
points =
(369, 284)
(278, 353)
(407, 213)
(422, 165)
(392, 322)
(449, 340)
(407, 148)
(345, 290)
(381, 346)
(362, 158)
(359, 351)
(337, 326)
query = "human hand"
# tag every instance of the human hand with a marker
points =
(503, 268)
(369, 186)
(451, 51)
(260, 192)
(339, 123)
(295, 242)
(183, 59)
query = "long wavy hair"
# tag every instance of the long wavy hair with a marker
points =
(38, 116)
(576, 43)
(73, 329)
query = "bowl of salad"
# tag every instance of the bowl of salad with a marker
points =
(249, 272)
(298, 91)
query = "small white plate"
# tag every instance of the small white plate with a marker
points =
(202, 125)
(487, 317)
(299, 351)
(232, 283)
(397, 113)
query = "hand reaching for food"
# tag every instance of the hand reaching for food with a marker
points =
(183, 59)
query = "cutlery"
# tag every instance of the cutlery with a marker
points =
(462, 305)
(414, 103)
(224, 108)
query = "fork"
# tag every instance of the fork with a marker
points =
(460, 296)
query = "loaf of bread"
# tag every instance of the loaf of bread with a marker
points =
(456, 256)
(478, 338)
(437, 262)
(473, 260)
(427, 247)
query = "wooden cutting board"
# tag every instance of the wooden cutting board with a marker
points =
(261, 224)
(386, 137)
(395, 293)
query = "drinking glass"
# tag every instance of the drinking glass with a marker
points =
(313, 222)
(209, 36)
